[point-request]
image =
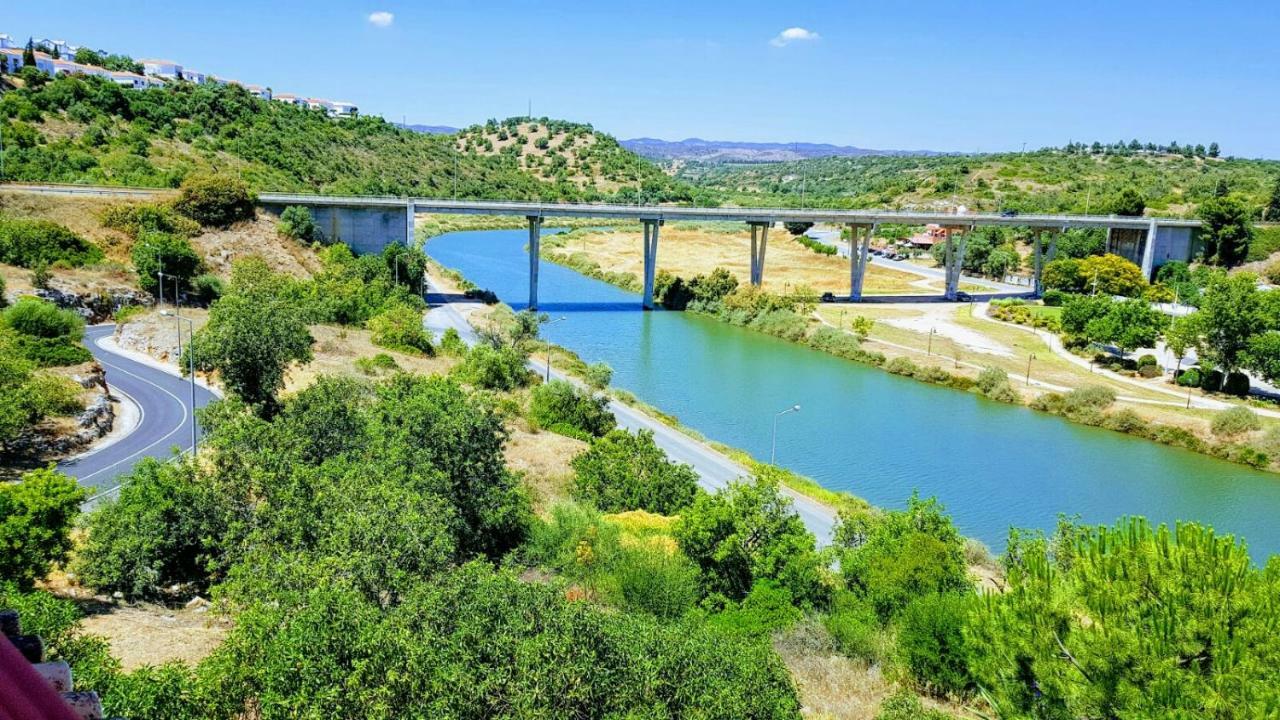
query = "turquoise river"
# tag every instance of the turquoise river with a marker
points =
(865, 431)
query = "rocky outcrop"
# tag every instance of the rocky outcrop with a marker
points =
(54, 440)
(98, 306)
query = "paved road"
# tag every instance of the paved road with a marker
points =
(832, 237)
(165, 417)
(715, 470)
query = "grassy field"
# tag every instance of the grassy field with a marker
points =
(686, 251)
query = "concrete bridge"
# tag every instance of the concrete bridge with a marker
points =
(370, 223)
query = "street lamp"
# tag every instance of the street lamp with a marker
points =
(551, 322)
(191, 368)
(773, 446)
(1030, 357)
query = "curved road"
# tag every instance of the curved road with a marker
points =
(164, 423)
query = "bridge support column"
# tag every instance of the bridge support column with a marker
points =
(859, 248)
(410, 212)
(650, 259)
(1038, 256)
(1149, 251)
(955, 262)
(535, 250)
(759, 241)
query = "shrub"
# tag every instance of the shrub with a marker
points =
(298, 223)
(1235, 421)
(451, 344)
(138, 220)
(559, 403)
(749, 532)
(993, 383)
(399, 327)
(31, 243)
(1147, 359)
(1211, 381)
(904, 705)
(215, 200)
(161, 530)
(1190, 378)
(1054, 298)
(1237, 383)
(376, 363)
(902, 366)
(172, 255)
(1150, 371)
(931, 641)
(1126, 421)
(44, 333)
(765, 610)
(599, 375)
(35, 523)
(494, 368)
(621, 471)
(854, 625)
(40, 276)
(1090, 397)
(207, 288)
(893, 558)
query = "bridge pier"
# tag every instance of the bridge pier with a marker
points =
(859, 248)
(1149, 251)
(535, 251)
(410, 211)
(1038, 255)
(954, 262)
(759, 241)
(650, 259)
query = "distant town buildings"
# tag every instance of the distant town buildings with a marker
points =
(155, 73)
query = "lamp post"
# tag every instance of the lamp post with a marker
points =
(1030, 357)
(773, 445)
(551, 322)
(932, 330)
(191, 368)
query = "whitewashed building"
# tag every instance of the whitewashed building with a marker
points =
(194, 76)
(6, 41)
(132, 80)
(340, 108)
(11, 59)
(263, 93)
(290, 99)
(167, 69)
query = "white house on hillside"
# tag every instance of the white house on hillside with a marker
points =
(67, 67)
(10, 60)
(258, 91)
(6, 41)
(167, 69)
(133, 80)
(194, 76)
(290, 99)
(344, 109)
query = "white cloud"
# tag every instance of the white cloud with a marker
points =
(794, 34)
(381, 19)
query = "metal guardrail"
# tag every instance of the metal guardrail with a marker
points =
(653, 212)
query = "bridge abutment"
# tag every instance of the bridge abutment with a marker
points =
(650, 259)
(364, 229)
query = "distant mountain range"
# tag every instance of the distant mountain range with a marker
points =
(430, 129)
(730, 151)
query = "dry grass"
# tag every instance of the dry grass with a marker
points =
(686, 252)
(337, 348)
(220, 248)
(542, 458)
(92, 280)
(79, 213)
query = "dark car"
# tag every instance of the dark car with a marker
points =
(828, 297)
(1008, 213)
(963, 297)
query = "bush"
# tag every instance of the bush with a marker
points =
(451, 344)
(138, 220)
(993, 383)
(854, 625)
(162, 530)
(931, 641)
(375, 364)
(1190, 378)
(559, 403)
(1054, 298)
(621, 471)
(1211, 381)
(749, 532)
(298, 223)
(44, 333)
(399, 327)
(1090, 397)
(599, 375)
(215, 200)
(766, 609)
(1235, 421)
(901, 555)
(904, 705)
(1237, 383)
(1150, 371)
(207, 288)
(904, 366)
(172, 255)
(31, 243)
(35, 524)
(494, 368)
(1147, 359)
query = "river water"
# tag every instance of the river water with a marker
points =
(865, 431)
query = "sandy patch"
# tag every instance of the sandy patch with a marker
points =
(939, 318)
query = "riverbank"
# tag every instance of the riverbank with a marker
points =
(904, 339)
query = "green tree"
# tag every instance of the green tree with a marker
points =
(1272, 211)
(35, 523)
(29, 54)
(901, 555)
(1128, 621)
(297, 222)
(156, 252)
(215, 200)
(1128, 202)
(1112, 275)
(1226, 230)
(399, 327)
(1182, 335)
(250, 339)
(1230, 315)
(798, 228)
(485, 366)
(598, 375)
(1128, 324)
(558, 405)
(1263, 355)
(622, 471)
(748, 532)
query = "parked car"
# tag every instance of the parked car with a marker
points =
(828, 297)
(963, 296)
(1008, 213)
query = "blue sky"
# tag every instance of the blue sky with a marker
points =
(963, 76)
